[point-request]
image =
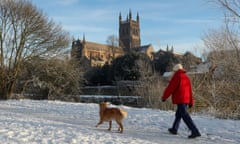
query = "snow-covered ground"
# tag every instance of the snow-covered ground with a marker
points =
(54, 122)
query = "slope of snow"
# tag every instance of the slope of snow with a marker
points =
(54, 122)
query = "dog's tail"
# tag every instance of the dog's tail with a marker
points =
(124, 113)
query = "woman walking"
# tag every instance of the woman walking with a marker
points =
(180, 89)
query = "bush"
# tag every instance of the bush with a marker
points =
(151, 91)
(50, 78)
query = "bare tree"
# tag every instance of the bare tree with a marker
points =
(25, 32)
(232, 22)
(225, 59)
(224, 43)
(230, 6)
(150, 86)
(112, 41)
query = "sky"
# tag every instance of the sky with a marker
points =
(55, 122)
(178, 23)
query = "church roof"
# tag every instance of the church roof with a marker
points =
(103, 47)
(143, 48)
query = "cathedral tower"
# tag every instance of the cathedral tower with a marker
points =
(129, 32)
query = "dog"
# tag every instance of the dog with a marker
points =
(108, 114)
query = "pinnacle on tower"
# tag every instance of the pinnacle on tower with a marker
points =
(137, 17)
(84, 38)
(130, 14)
(120, 17)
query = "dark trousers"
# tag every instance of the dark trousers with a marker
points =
(182, 113)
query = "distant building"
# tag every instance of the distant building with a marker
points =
(95, 54)
(167, 58)
(129, 33)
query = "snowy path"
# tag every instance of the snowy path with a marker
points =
(53, 122)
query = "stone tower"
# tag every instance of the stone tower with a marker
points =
(129, 32)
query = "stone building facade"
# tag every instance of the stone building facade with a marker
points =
(129, 33)
(96, 54)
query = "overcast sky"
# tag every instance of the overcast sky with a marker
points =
(178, 23)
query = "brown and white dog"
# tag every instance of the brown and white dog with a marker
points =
(111, 113)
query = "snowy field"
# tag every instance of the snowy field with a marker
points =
(54, 122)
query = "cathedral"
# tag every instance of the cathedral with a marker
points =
(96, 54)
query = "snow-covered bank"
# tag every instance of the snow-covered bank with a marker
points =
(54, 122)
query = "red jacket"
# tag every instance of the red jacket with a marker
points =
(180, 88)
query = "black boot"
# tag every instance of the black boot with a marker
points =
(194, 135)
(172, 131)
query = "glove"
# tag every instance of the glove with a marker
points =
(190, 106)
(163, 100)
